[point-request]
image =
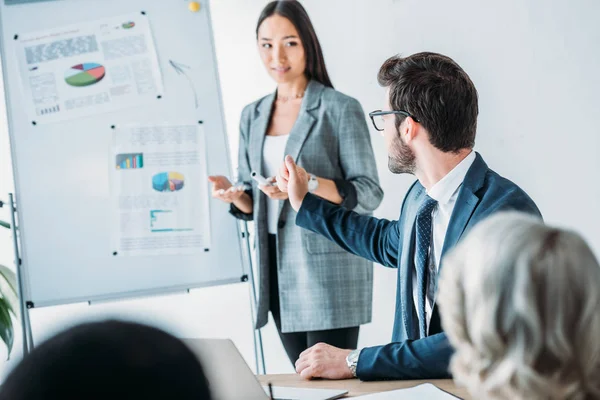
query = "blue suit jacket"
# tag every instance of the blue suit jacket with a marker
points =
(391, 243)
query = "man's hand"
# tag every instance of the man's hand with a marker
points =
(273, 192)
(293, 180)
(324, 361)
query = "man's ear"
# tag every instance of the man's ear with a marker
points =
(408, 129)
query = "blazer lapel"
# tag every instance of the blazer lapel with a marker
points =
(465, 204)
(407, 263)
(303, 125)
(258, 131)
(305, 121)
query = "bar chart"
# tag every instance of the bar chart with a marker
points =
(130, 161)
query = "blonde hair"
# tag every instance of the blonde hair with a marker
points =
(520, 303)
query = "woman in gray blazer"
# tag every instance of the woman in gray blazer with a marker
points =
(315, 290)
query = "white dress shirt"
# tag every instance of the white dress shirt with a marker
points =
(445, 192)
(273, 154)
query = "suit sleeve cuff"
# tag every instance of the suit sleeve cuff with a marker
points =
(347, 192)
(239, 214)
(362, 368)
(310, 204)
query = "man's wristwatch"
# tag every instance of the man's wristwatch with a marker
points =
(313, 183)
(352, 361)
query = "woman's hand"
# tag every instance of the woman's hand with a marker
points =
(223, 190)
(273, 192)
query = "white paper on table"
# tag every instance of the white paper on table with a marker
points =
(159, 190)
(419, 392)
(88, 68)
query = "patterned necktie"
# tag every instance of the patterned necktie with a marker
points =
(424, 228)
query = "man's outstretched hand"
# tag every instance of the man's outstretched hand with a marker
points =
(293, 180)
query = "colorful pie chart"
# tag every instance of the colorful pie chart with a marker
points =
(84, 74)
(167, 182)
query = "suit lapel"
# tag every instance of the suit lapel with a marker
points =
(407, 263)
(466, 203)
(303, 125)
(299, 132)
(305, 121)
(258, 132)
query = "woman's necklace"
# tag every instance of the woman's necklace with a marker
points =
(285, 99)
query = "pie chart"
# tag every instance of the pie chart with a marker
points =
(167, 182)
(84, 74)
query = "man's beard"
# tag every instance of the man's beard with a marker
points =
(401, 159)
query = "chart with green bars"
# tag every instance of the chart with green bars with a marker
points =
(85, 74)
(130, 161)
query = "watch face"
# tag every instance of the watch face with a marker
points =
(353, 356)
(352, 361)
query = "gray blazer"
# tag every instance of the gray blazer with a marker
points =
(321, 286)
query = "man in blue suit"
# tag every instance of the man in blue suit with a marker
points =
(429, 126)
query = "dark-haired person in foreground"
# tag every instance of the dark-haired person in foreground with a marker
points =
(429, 124)
(108, 360)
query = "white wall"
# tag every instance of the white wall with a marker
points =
(534, 64)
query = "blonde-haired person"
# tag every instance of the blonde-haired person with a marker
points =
(520, 303)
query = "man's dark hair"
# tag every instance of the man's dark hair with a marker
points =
(438, 93)
(108, 360)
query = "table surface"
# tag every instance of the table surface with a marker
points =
(356, 387)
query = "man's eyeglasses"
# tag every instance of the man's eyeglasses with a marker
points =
(377, 117)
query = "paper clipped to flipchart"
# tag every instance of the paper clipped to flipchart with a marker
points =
(159, 189)
(88, 68)
(420, 392)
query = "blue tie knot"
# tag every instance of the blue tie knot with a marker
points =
(427, 206)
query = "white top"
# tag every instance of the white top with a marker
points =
(445, 192)
(273, 155)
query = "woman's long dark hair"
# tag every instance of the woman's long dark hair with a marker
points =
(293, 11)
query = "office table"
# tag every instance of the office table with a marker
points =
(356, 387)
